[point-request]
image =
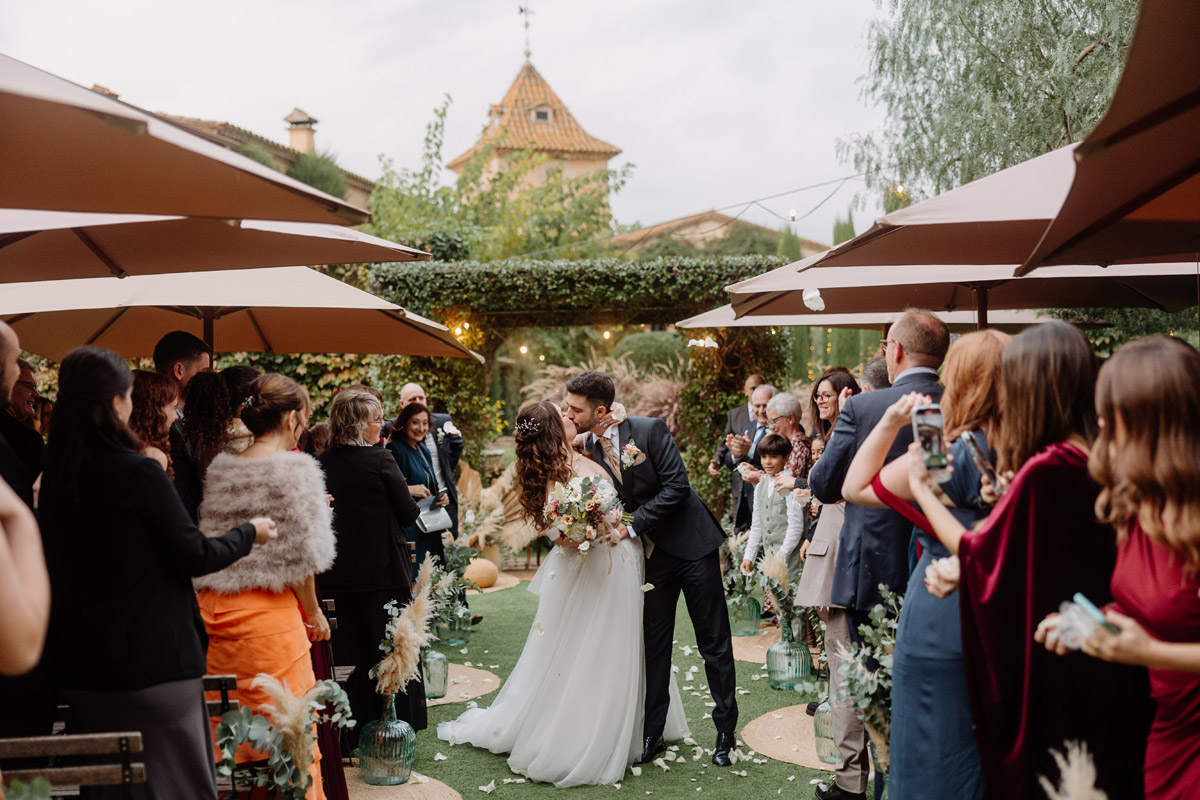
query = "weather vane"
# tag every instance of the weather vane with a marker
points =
(525, 11)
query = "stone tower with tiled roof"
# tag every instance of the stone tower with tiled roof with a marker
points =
(531, 116)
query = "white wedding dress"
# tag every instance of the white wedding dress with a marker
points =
(571, 711)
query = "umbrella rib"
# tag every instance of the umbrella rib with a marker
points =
(99, 253)
(1142, 124)
(13, 238)
(258, 329)
(104, 328)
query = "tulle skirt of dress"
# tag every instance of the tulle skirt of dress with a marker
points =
(571, 711)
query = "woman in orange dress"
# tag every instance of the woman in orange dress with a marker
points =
(262, 613)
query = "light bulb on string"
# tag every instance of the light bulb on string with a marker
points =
(607, 335)
(524, 349)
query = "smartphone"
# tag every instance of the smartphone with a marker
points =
(981, 458)
(927, 430)
(1090, 609)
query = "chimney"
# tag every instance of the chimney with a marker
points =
(300, 128)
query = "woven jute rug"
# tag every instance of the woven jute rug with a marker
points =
(754, 648)
(467, 683)
(419, 787)
(785, 734)
(506, 580)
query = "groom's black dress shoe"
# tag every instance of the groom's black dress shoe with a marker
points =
(725, 742)
(831, 791)
(651, 747)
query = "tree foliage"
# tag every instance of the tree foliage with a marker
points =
(256, 152)
(492, 213)
(973, 86)
(320, 170)
(843, 229)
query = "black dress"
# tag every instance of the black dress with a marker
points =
(371, 509)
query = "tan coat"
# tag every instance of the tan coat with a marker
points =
(816, 582)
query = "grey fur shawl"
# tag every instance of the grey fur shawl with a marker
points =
(290, 489)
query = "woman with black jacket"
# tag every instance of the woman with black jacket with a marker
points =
(371, 509)
(127, 645)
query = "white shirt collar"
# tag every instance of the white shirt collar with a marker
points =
(611, 434)
(915, 371)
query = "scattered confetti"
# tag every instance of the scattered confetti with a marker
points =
(491, 787)
(709, 716)
(514, 780)
(777, 716)
(468, 664)
(669, 756)
(537, 626)
(637, 771)
(439, 757)
(791, 777)
(647, 587)
(747, 691)
(493, 666)
(711, 705)
(463, 651)
(658, 762)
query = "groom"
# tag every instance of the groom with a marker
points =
(682, 540)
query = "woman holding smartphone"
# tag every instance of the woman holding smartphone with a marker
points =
(1147, 460)
(933, 750)
(1040, 545)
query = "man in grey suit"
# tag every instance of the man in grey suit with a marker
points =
(873, 548)
(739, 425)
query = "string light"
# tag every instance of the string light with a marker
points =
(541, 358)
(458, 331)
(466, 326)
(607, 335)
(524, 349)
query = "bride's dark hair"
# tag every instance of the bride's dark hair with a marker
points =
(543, 455)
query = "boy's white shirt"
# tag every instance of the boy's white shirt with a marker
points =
(795, 517)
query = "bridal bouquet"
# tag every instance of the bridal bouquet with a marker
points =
(583, 510)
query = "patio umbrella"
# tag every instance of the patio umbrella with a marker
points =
(947, 287)
(957, 321)
(51, 245)
(1136, 187)
(67, 148)
(278, 310)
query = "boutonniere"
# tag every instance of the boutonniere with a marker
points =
(445, 430)
(631, 456)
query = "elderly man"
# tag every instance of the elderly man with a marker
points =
(16, 423)
(739, 416)
(743, 449)
(873, 549)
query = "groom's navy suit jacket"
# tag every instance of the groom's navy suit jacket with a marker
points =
(873, 548)
(658, 493)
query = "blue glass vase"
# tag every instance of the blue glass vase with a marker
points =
(386, 748)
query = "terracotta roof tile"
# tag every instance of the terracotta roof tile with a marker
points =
(513, 126)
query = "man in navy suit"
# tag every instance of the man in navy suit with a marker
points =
(873, 548)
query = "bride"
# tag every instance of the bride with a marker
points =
(571, 711)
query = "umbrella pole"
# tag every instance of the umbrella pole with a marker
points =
(208, 328)
(981, 308)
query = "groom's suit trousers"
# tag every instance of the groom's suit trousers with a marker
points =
(700, 582)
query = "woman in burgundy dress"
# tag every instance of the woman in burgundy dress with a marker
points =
(1147, 459)
(1040, 545)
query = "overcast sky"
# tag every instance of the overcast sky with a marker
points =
(715, 103)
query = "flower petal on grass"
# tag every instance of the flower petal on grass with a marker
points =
(491, 787)
(647, 587)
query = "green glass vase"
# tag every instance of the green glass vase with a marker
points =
(436, 667)
(744, 614)
(386, 748)
(788, 661)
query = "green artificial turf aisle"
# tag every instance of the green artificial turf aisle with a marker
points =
(499, 639)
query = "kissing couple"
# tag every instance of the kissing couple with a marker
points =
(593, 690)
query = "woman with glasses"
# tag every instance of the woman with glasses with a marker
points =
(407, 446)
(261, 613)
(372, 507)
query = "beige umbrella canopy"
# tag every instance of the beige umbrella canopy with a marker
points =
(53, 245)
(949, 287)
(957, 321)
(1136, 187)
(67, 148)
(278, 310)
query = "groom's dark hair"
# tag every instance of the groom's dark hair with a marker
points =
(595, 386)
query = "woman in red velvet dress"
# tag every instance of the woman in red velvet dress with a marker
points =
(1147, 459)
(1040, 545)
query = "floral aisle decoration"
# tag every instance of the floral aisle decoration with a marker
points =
(789, 663)
(285, 732)
(387, 746)
(744, 608)
(866, 672)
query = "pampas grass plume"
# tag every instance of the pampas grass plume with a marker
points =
(774, 567)
(291, 717)
(1077, 780)
(409, 632)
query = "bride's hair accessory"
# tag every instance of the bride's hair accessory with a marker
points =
(527, 428)
(249, 401)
